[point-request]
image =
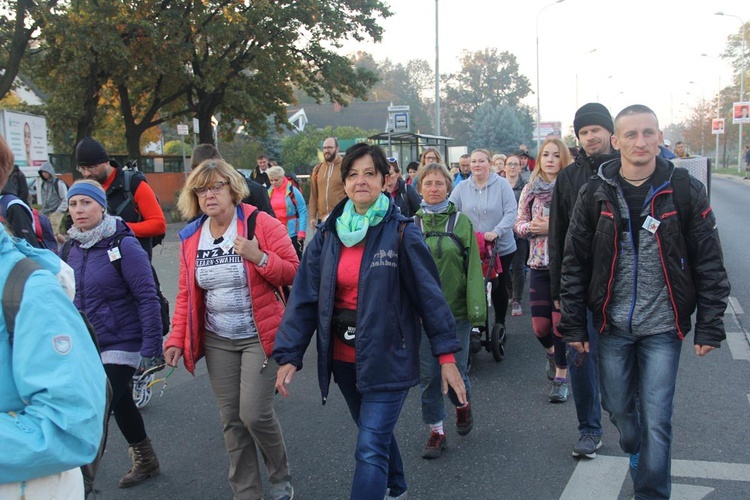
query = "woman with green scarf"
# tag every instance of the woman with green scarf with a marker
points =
(365, 282)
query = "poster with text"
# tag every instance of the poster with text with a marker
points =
(741, 112)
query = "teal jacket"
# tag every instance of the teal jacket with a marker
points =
(52, 382)
(296, 210)
(463, 286)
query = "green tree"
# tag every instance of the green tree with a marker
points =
(498, 128)
(175, 148)
(486, 77)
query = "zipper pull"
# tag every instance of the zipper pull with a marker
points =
(265, 363)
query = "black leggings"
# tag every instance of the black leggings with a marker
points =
(500, 289)
(127, 415)
(544, 315)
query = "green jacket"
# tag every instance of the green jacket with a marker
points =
(463, 289)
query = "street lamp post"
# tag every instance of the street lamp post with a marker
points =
(538, 111)
(437, 74)
(742, 82)
(588, 52)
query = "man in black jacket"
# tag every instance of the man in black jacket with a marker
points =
(593, 127)
(642, 251)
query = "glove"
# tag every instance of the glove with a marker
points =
(148, 363)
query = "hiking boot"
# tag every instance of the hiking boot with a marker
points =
(145, 464)
(515, 309)
(558, 392)
(551, 369)
(435, 445)
(283, 490)
(464, 419)
(586, 446)
(402, 496)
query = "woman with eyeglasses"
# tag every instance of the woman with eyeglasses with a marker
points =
(116, 290)
(403, 195)
(228, 308)
(367, 284)
(517, 267)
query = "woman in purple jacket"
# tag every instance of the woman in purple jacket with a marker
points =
(115, 289)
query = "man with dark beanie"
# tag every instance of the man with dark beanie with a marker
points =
(594, 128)
(137, 206)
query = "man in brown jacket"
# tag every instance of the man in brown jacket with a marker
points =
(326, 185)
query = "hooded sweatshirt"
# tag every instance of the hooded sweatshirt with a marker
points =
(54, 191)
(492, 208)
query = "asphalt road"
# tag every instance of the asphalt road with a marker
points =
(520, 446)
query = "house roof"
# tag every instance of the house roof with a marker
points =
(365, 115)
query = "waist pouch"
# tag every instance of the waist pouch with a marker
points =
(344, 325)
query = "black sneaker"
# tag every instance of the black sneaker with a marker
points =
(586, 446)
(475, 341)
(435, 445)
(464, 420)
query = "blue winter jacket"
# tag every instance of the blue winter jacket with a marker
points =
(123, 307)
(296, 211)
(398, 285)
(52, 383)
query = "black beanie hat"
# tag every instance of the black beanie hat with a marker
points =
(90, 152)
(593, 113)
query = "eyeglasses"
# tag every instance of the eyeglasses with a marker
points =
(512, 164)
(88, 168)
(216, 188)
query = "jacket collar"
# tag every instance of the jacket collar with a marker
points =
(609, 170)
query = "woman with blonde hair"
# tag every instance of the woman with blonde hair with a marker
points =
(498, 161)
(532, 223)
(228, 308)
(289, 206)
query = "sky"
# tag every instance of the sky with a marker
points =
(621, 53)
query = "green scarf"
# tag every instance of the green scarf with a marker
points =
(352, 227)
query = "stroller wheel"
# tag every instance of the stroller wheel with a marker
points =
(497, 342)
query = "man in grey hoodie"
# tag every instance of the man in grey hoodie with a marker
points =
(54, 198)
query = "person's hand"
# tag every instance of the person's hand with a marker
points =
(580, 347)
(284, 378)
(172, 355)
(451, 377)
(540, 225)
(148, 363)
(248, 249)
(490, 236)
(557, 304)
(702, 350)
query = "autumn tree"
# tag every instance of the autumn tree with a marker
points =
(486, 77)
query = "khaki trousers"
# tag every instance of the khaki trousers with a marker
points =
(245, 398)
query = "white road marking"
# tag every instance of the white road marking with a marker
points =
(600, 479)
(603, 477)
(690, 491)
(738, 345)
(736, 305)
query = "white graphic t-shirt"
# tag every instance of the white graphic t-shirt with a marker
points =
(221, 273)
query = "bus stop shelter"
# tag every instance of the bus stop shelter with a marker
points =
(408, 146)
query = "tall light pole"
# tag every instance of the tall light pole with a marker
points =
(703, 109)
(718, 114)
(437, 74)
(742, 82)
(588, 52)
(538, 111)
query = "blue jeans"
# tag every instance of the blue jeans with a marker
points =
(638, 376)
(431, 381)
(379, 464)
(584, 379)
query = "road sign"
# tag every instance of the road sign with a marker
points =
(398, 118)
(182, 129)
(196, 126)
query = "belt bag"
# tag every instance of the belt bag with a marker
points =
(344, 325)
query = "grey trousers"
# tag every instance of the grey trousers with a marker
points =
(245, 399)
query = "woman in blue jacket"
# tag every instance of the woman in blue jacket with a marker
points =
(115, 289)
(368, 340)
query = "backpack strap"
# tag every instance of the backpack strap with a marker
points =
(13, 292)
(251, 224)
(129, 176)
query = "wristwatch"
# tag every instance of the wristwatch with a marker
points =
(264, 261)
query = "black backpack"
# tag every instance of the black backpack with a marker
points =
(450, 226)
(129, 177)
(163, 302)
(12, 296)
